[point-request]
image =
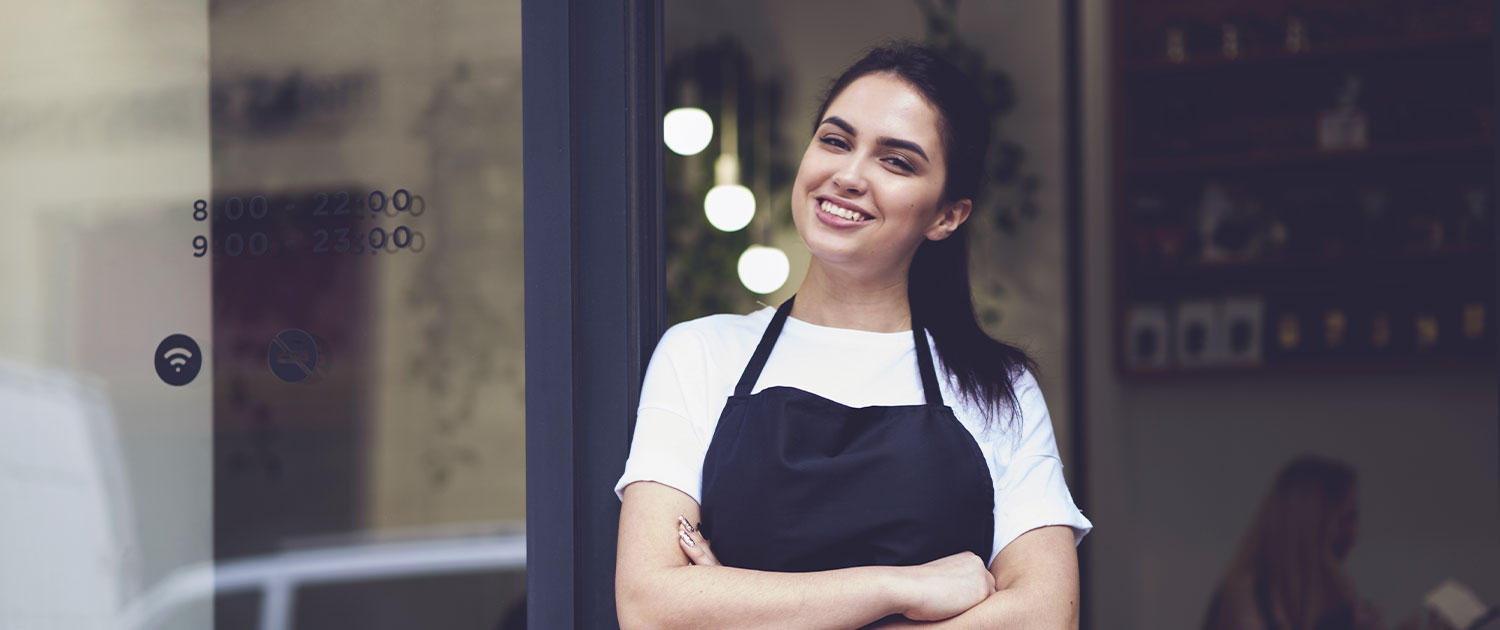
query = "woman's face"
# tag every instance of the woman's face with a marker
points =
(871, 182)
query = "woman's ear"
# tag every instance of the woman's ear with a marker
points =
(950, 215)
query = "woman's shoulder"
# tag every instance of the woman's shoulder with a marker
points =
(1008, 426)
(1020, 379)
(715, 334)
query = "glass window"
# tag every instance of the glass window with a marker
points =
(261, 346)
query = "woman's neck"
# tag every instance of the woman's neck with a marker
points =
(829, 297)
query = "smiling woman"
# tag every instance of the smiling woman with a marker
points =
(866, 169)
(863, 453)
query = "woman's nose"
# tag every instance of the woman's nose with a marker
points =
(849, 179)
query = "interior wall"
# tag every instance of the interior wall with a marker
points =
(1178, 465)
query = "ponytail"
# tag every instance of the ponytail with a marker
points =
(942, 302)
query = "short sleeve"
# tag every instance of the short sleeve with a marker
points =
(671, 431)
(1030, 490)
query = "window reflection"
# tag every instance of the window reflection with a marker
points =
(325, 198)
(385, 140)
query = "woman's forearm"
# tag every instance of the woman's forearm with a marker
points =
(1013, 608)
(667, 579)
(666, 576)
(730, 598)
(1036, 579)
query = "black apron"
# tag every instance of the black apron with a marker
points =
(795, 482)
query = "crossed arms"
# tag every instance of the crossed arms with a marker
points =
(663, 582)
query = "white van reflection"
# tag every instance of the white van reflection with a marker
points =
(277, 577)
(68, 552)
(70, 555)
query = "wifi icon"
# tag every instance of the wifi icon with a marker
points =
(178, 360)
(178, 357)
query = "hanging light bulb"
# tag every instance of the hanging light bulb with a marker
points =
(763, 269)
(729, 208)
(729, 205)
(687, 130)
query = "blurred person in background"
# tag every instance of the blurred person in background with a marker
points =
(1288, 573)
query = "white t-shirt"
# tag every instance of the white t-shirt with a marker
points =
(697, 364)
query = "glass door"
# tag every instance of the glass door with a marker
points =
(261, 349)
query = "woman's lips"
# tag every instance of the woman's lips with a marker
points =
(838, 216)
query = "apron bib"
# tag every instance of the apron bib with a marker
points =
(795, 482)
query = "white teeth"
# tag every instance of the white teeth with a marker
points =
(843, 213)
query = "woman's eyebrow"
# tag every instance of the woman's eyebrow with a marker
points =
(841, 124)
(903, 144)
(883, 141)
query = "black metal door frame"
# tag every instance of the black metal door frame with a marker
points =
(592, 119)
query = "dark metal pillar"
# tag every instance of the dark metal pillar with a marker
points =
(590, 72)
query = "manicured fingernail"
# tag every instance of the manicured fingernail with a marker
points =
(687, 539)
(685, 524)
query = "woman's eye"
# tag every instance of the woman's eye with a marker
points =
(835, 142)
(901, 164)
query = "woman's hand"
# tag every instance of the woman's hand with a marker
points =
(946, 587)
(694, 545)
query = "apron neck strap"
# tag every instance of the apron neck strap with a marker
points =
(924, 364)
(763, 351)
(773, 331)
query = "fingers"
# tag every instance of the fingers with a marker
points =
(693, 544)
